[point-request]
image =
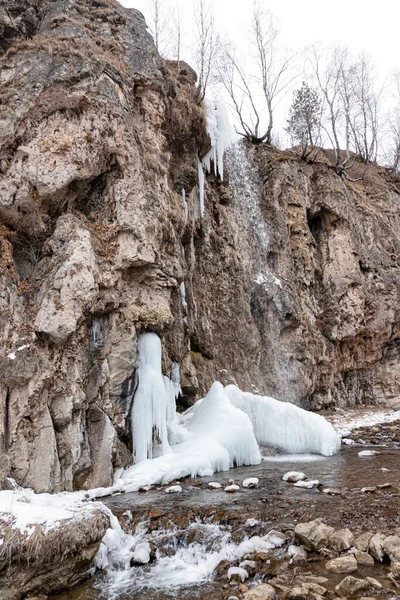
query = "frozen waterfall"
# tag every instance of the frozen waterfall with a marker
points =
(219, 431)
(154, 400)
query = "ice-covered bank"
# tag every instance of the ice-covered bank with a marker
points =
(218, 432)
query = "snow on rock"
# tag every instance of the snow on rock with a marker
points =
(22, 509)
(267, 279)
(251, 482)
(285, 425)
(368, 453)
(348, 441)
(293, 550)
(232, 488)
(293, 476)
(354, 419)
(173, 489)
(214, 485)
(254, 544)
(237, 573)
(308, 485)
(251, 523)
(275, 537)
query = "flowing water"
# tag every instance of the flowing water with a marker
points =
(197, 529)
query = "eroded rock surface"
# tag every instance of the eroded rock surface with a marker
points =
(290, 280)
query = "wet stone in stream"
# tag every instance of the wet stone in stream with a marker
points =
(197, 535)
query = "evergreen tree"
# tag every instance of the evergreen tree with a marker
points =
(304, 122)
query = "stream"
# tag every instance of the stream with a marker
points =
(192, 532)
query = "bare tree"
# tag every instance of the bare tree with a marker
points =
(331, 75)
(352, 105)
(392, 150)
(206, 45)
(257, 84)
(273, 65)
(176, 31)
(158, 23)
(237, 82)
(364, 120)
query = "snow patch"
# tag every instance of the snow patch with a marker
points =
(354, 419)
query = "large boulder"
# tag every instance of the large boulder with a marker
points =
(342, 564)
(376, 546)
(351, 587)
(341, 540)
(391, 547)
(314, 535)
(260, 592)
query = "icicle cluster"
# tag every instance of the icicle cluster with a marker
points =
(220, 133)
(154, 400)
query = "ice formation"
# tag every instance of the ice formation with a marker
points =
(220, 132)
(284, 425)
(221, 136)
(220, 431)
(201, 186)
(154, 399)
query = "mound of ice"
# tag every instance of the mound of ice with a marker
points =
(285, 425)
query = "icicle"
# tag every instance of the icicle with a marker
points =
(201, 186)
(185, 204)
(150, 401)
(183, 299)
(96, 336)
(173, 390)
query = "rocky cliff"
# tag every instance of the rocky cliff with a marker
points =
(288, 283)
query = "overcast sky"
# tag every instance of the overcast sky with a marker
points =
(362, 25)
(359, 24)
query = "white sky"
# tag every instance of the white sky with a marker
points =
(359, 24)
(362, 25)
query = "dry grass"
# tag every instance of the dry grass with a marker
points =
(47, 549)
(6, 251)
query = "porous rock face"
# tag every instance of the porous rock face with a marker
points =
(335, 246)
(289, 278)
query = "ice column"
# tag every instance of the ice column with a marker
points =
(152, 400)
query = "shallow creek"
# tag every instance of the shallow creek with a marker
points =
(195, 530)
